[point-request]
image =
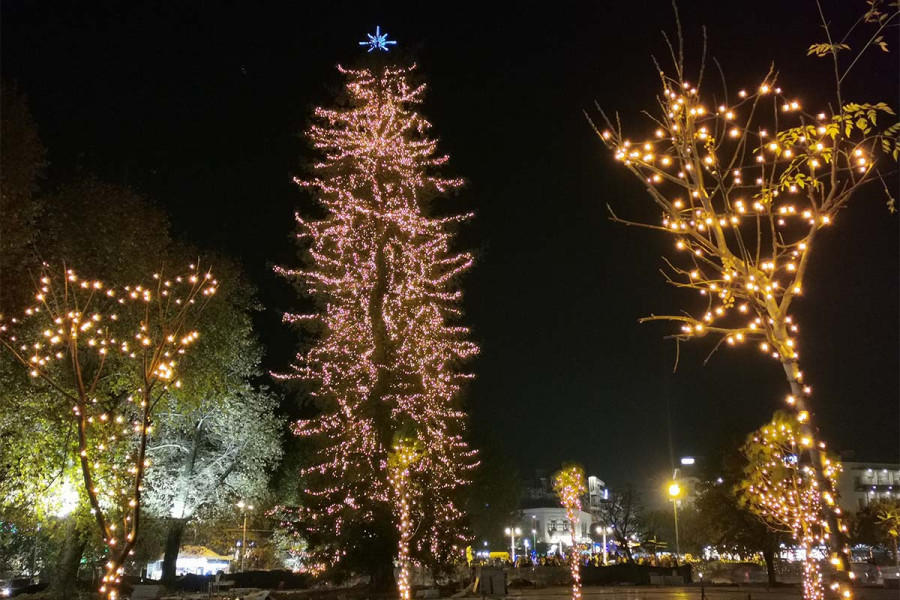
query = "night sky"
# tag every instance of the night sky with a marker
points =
(201, 108)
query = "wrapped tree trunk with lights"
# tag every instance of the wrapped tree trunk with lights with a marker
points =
(404, 457)
(745, 186)
(785, 493)
(570, 485)
(386, 349)
(111, 353)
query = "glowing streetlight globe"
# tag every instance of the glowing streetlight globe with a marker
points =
(674, 490)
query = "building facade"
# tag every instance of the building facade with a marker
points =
(551, 526)
(543, 521)
(861, 483)
(195, 560)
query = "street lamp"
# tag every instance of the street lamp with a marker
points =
(244, 507)
(534, 528)
(604, 530)
(675, 492)
(512, 532)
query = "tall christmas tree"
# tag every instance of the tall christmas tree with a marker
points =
(387, 354)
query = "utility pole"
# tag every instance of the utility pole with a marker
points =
(244, 508)
(675, 493)
(512, 532)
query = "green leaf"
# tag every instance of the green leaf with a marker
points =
(822, 50)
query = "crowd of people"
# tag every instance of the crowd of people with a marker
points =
(587, 560)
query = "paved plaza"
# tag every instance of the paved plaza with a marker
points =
(690, 593)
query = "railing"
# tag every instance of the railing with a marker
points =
(546, 576)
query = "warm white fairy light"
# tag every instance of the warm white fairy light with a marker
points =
(74, 326)
(387, 350)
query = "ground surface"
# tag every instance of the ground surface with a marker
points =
(690, 593)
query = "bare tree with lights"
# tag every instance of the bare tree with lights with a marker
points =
(386, 350)
(745, 185)
(624, 512)
(112, 353)
(785, 492)
(570, 486)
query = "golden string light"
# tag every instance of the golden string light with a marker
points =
(404, 456)
(785, 492)
(746, 189)
(75, 340)
(570, 485)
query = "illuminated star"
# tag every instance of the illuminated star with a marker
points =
(378, 41)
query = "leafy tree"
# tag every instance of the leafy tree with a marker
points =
(745, 186)
(129, 237)
(22, 163)
(878, 524)
(784, 492)
(888, 519)
(122, 242)
(110, 354)
(723, 523)
(217, 435)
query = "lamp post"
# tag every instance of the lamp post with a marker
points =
(534, 528)
(604, 530)
(244, 508)
(512, 532)
(674, 495)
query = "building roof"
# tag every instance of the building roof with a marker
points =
(200, 552)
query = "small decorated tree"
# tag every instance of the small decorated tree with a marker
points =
(570, 485)
(888, 519)
(112, 354)
(782, 489)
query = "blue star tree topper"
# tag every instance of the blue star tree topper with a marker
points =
(378, 41)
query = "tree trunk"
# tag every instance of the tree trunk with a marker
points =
(627, 549)
(174, 533)
(835, 540)
(64, 582)
(769, 557)
(381, 574)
